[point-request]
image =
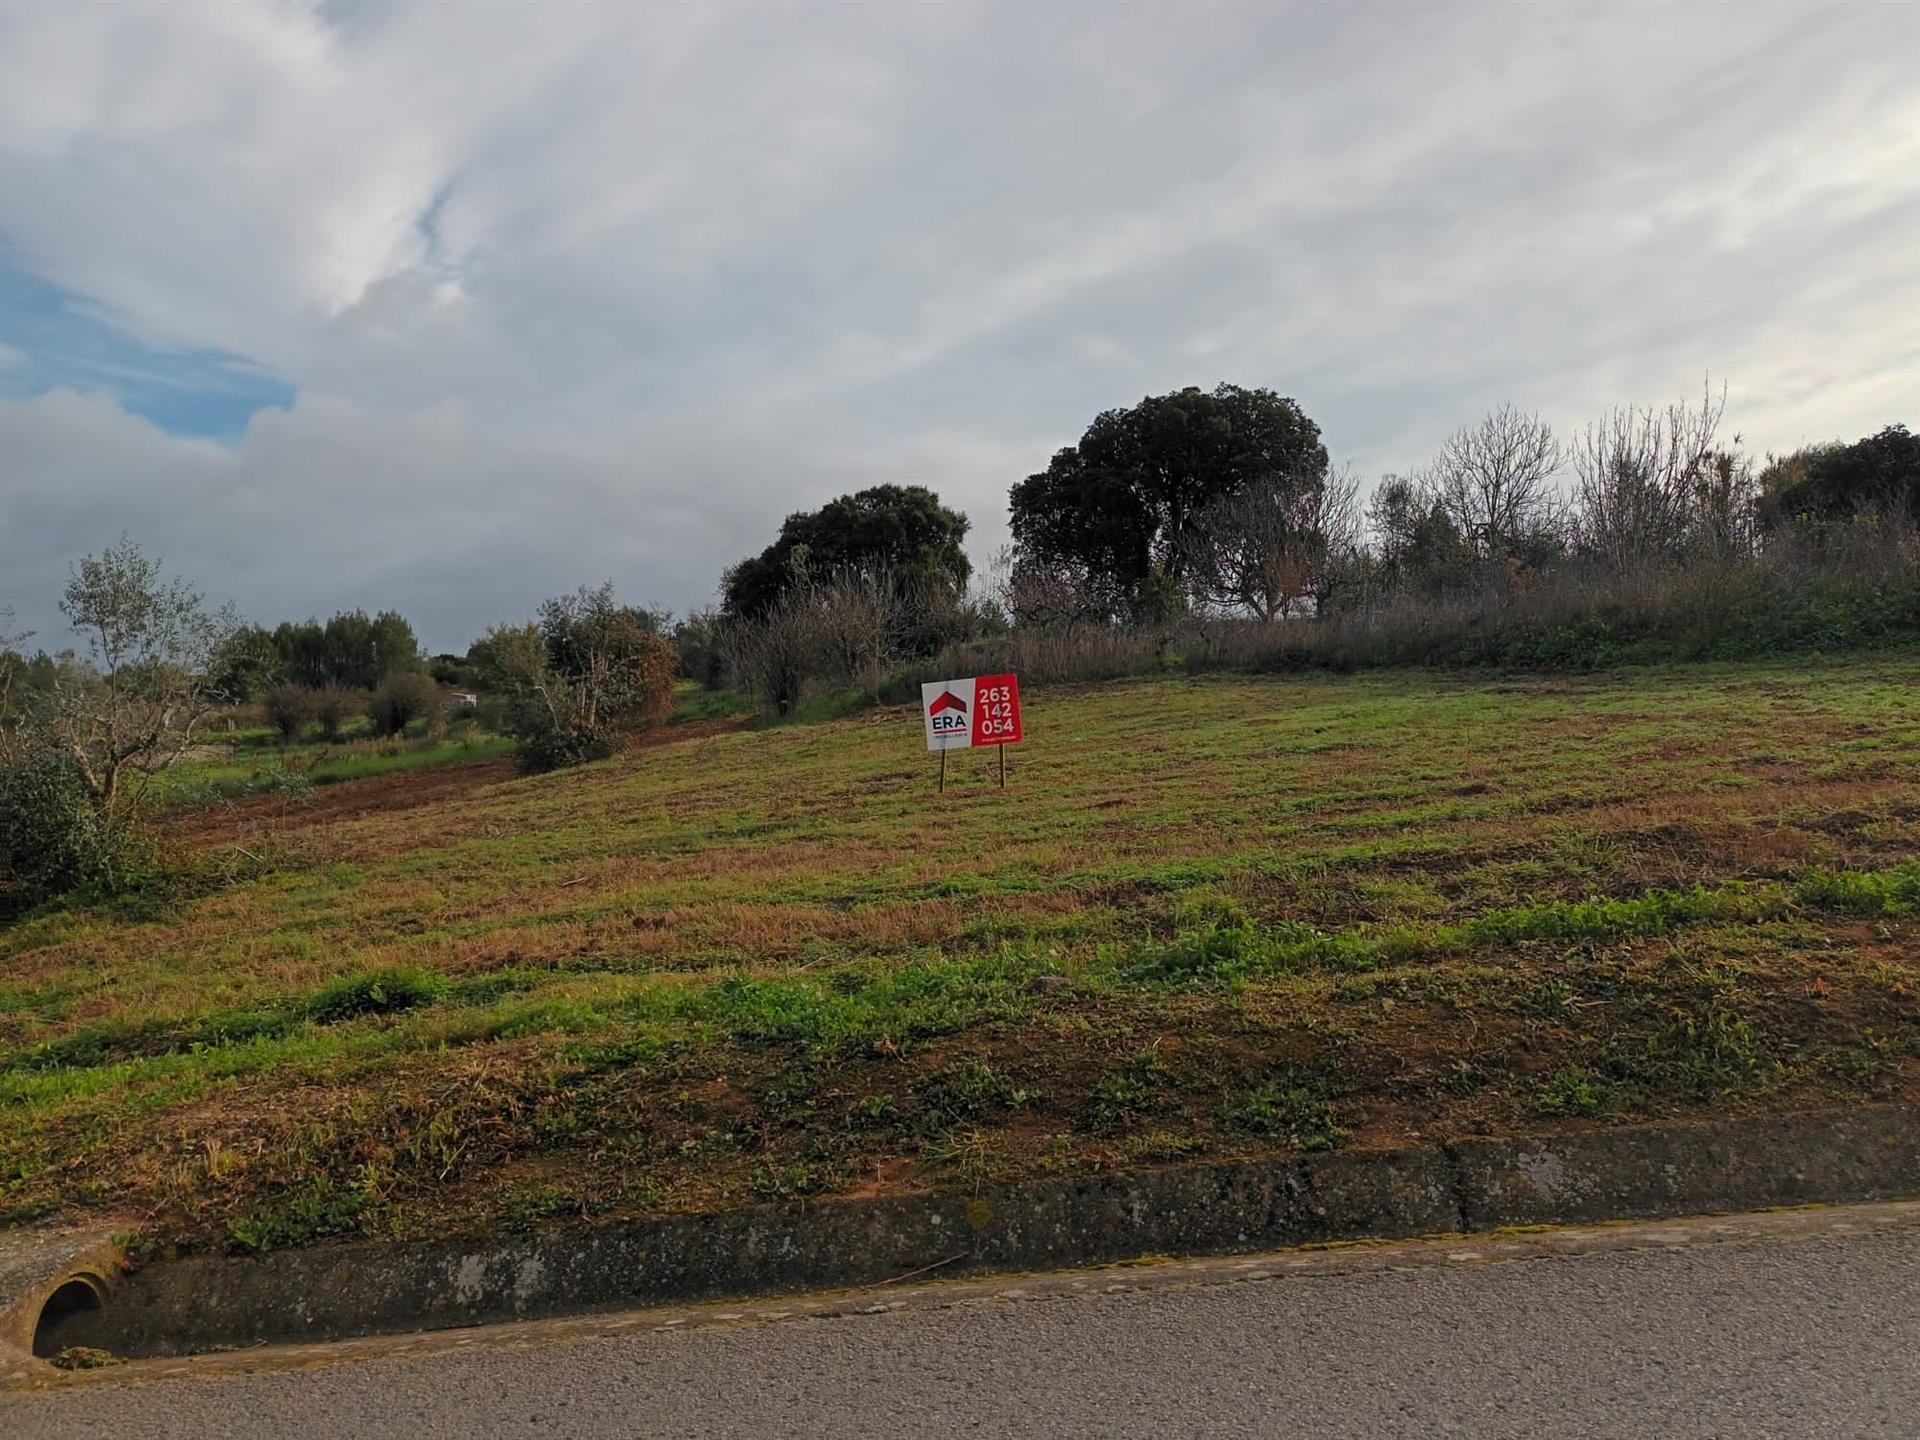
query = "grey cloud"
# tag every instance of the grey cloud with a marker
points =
(571, 292)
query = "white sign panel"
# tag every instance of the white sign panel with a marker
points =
(947, 708)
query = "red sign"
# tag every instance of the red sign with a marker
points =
(996, 709)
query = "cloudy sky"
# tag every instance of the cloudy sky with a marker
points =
(448, 307)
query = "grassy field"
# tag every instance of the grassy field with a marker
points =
(255, 763)
(1207, 919)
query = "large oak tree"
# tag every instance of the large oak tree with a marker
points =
(901, 533)
(1121, 512)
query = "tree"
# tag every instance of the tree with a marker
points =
(508, 657)
(697, 640)
(352, 649)
(75, 768)
(403, 697)
(290, 709)
(1655, 486)
(1495, 480)
(1117, 517)
(302, 648)
(1834, 482)
(13, 669)
(1277, 542)
(152, 643)
(1418, 544)
(611, 657)
(1726, 510)
(333, 706)
(248, 665)
(902, 531)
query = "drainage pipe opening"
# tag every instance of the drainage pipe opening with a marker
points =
(67, 1308)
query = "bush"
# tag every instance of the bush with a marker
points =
(401, 699)
(545, 741)
(697, 641)
(290, 709)
(332, 707)
(53, 838)
(588, 670)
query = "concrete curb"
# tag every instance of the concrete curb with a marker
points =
(1639, 1172)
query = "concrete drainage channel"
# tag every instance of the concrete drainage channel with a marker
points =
(62, 1289)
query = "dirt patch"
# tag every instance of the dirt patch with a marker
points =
(235, 821)
(692, 730)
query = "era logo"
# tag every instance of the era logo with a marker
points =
(947, 715)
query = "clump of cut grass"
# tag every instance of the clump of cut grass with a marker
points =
(375, 992)
(1244, 950)
(1290, 1110)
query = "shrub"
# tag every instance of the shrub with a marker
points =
(551, 737)
(402, 698)
(846, 631)
(290, 709)
(589, 669)
(332, 706)
(53, 838)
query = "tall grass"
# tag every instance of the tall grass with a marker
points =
(1831, 588)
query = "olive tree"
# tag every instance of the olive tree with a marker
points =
(151, 642)
(11, 664)
(588, 668)
(77, 766)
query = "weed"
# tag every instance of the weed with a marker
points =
(305, 1212)
(374, 992)
(1124, 1095)
(1291, 1111)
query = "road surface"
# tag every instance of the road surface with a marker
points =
(1800, 1325)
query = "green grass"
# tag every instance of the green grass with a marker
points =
(1214, 917)
(251, 769)
(693, 703)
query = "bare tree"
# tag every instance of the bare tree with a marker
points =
(1495, 480)
(856, 620)
(1272, 546)
(845, 629)
(1054, 594)
(1654, 485)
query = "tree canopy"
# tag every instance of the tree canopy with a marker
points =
(1121, 511)
(1831, 482)
(900, 531)
(351, 650)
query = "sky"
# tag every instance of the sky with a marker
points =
(446, 308)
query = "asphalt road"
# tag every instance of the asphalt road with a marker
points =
(1810, 1334)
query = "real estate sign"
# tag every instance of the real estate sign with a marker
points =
(982, 710)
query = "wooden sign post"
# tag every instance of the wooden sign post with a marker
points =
(963, 714)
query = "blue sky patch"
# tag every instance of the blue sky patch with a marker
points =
(52, 338)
